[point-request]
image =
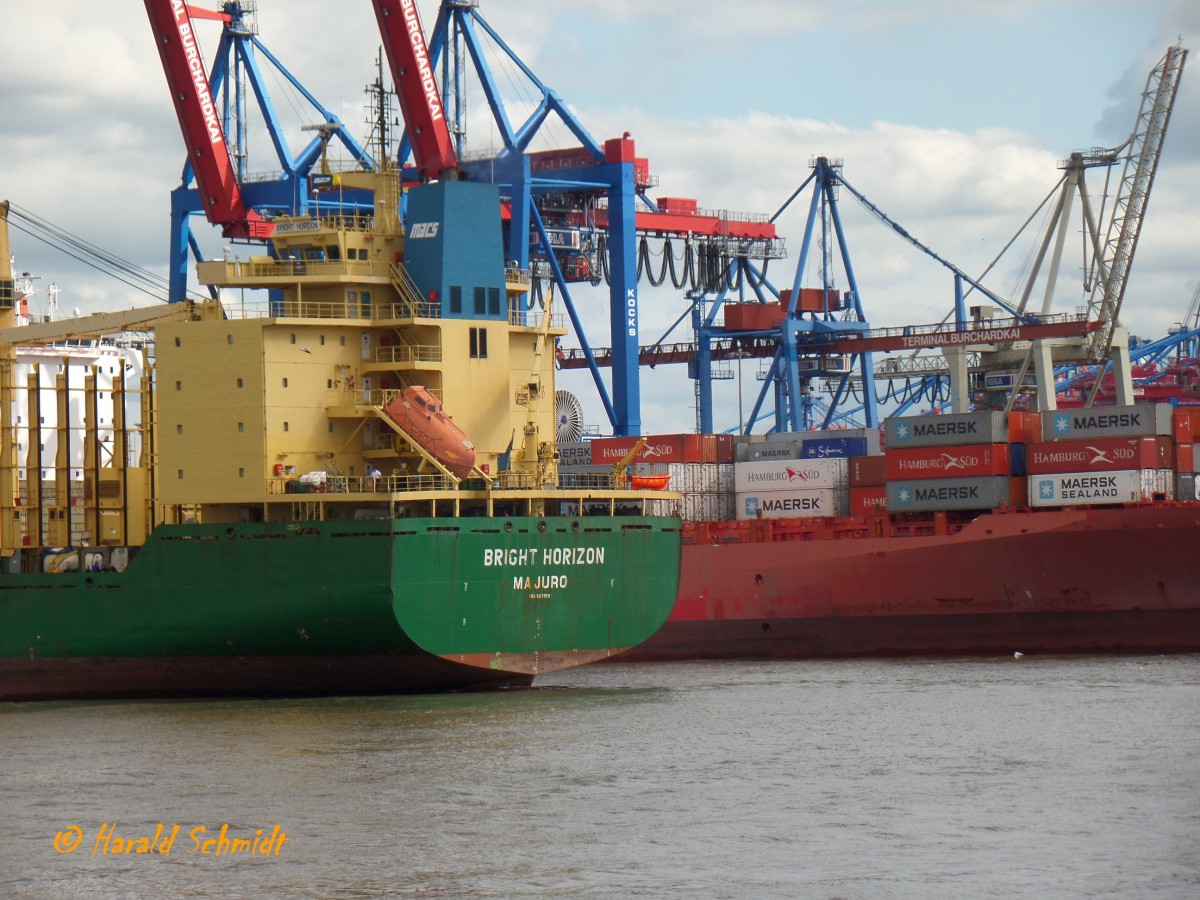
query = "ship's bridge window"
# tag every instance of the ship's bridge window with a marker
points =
(333, 252)
(455, 299)
(314, 254)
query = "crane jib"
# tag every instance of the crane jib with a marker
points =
(196, 66)
(421, 53)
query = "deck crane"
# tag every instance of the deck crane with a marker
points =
(200, 121)
(416, 87)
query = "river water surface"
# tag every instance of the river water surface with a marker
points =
(920, 778)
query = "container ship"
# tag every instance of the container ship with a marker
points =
(344, 489)
(1068, 531)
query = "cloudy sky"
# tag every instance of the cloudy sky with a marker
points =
(950, 115)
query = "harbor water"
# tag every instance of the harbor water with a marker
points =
(916, 778)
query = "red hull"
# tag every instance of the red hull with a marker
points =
(1054, 581)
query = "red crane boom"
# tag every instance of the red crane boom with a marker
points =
(196, 110)
(412, 73)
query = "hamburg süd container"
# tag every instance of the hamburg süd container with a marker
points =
(965, 461)
(776, 475)
(1098, 455)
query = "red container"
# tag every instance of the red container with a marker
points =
(1018, 492)
(1186, 458)
(726, 448)
(660, 448)
(868, 471)
(965, 461)
(812, 299)
(1186, 423)
(753, 316)
(867, 501)
(1024, 427)
(679, 205)
(1098, 455)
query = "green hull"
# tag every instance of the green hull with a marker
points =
(341, 607)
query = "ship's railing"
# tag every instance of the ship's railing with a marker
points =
(517, 280)
(422, 309)
(323, 483)
(302, 224)
(325, 309)
(264, 267)
(408, 353)
(532, 318)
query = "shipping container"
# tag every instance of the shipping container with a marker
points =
(781, 475)
(868, 471)
(834, 447)
(1144, 419)
(760, 450)
(866, 501)
(1024, 427)
(575, 453)
(667, 448)
(796, 503)
(944, 431)
(753, 316)
(1186, 421)
(1017, 454)
(1187, 487)
(708, 507)
(1094, 488)
(966, 461)
(1186, 458)
(926, 495)
(1018, 491)
(1095, 455)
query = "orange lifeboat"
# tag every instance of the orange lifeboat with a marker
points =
(650, 482)
(421, 416)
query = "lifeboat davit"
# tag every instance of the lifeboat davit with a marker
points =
(421, 416)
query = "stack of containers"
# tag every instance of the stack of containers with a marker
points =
(950, 462)
(1099, 455)
(700, 467)
(1186, 422)
(790, 489)
(837, 443)
(796, 491)
(868, 485)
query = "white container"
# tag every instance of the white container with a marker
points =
(1097, 488)
(798, 503)
(782, 475)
